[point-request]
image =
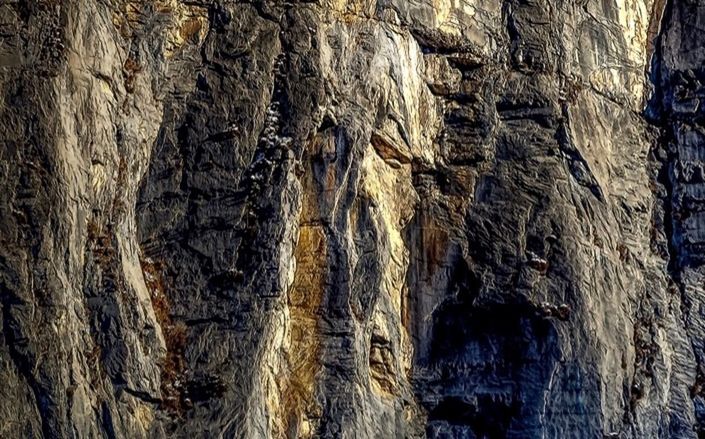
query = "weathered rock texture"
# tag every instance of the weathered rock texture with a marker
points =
(352, 218)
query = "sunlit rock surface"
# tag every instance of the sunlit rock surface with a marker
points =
(352, 219)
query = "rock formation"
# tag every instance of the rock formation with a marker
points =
(352, 218)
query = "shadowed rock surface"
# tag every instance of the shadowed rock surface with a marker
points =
(352, 219)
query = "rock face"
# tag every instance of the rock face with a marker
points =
(352, 219)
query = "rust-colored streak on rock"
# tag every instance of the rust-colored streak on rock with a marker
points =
(304, 302)
(435, 242)
(174, 333)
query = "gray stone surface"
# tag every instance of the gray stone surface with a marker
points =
(352, 219)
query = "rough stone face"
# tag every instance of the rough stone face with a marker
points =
(352, 218)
